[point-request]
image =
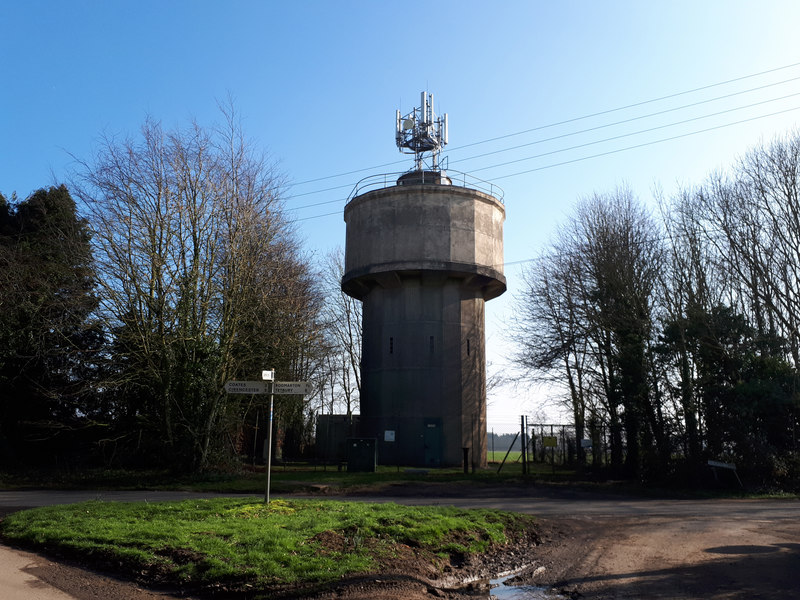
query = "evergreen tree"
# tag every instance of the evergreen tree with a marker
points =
(47, 338)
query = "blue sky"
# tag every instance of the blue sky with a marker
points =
(317, 84)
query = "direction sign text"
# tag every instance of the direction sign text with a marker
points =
(292, 387)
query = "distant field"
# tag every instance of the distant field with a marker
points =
(497, 456)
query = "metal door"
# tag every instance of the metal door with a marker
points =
(432, 438)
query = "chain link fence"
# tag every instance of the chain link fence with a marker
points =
(555, 444)
(524, 443)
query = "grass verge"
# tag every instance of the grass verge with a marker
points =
(241, 545)
(308, 478)
(297, 477)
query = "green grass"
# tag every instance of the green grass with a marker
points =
(297, 477)
(242, 543)
(497, 456)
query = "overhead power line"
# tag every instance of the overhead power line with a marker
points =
(632, 119)
(564, 122)
(565, 135)
(651, 143)
(598, 155)
(338, 212)
(626, 107)
(641, 131)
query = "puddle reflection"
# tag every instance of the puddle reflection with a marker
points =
(501, 591)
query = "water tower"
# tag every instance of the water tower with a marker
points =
(424, 252)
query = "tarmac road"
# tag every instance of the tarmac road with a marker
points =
(545, 502)
(604, 546)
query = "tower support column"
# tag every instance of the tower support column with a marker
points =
(424, 256)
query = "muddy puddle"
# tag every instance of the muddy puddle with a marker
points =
(503, 588)
(507, 586)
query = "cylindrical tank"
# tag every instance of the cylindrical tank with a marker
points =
(423, 256)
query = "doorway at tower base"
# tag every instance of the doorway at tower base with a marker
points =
(401, 442)
(422, 442)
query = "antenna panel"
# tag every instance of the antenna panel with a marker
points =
(420, 132)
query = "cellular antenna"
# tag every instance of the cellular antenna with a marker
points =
(420, 132)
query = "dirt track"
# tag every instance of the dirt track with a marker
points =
(596, 547)
(669, 557)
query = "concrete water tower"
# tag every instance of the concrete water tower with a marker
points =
(424, 252)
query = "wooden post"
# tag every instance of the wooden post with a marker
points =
(523, 445)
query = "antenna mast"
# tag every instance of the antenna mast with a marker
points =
(420, 131)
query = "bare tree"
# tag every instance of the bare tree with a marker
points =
(548, 333)
(342, 318)
(767, 195)
(692, 283)
(196, 262)
(588, 312)
(686, 335)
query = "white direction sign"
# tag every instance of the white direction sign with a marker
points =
(291, 387)
(262, 387)
(246, 387)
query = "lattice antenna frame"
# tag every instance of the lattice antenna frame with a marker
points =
(421, 132)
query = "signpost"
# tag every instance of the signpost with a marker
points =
(271, 387)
